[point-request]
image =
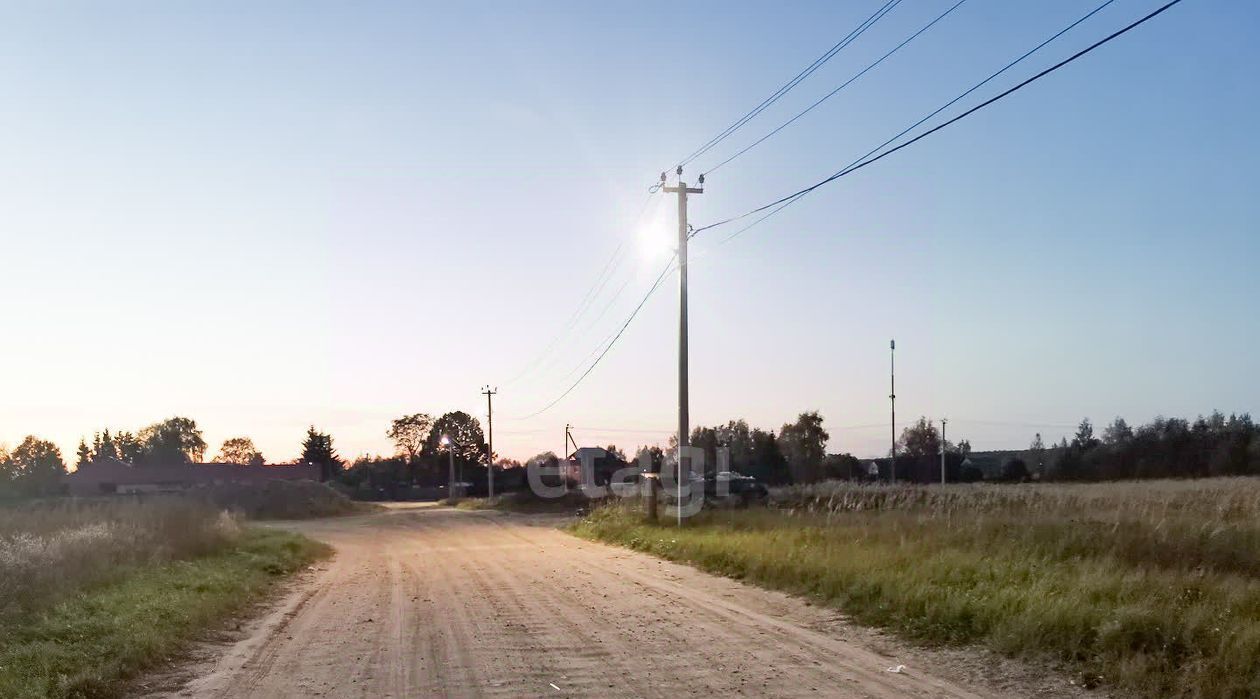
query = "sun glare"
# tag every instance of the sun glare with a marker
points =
(655, 240)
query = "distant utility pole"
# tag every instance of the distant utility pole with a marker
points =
(564, 456)
(943, 421)
(489, 393)
(892, 400)
(684, 429)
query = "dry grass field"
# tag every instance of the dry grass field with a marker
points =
(94, 592)
(1149, 587)
(50, 548)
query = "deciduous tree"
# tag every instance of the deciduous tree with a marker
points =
(240, 450)
(174, 440)
(410, 433)
(7, 473)
(804, 444)
(919, 439)
(465, 431)
(37, 467)
(768, 463)
(1118, 432)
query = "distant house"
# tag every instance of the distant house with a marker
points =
(110, 476)
(603, 466)
(976, 465)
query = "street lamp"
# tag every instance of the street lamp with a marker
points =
(450, 445)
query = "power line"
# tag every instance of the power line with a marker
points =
(607, 340)
(867, 160)
(595, 321)
(652, 290)
(625, 430)
(597, 286)
(1007, 423)
(809, 70)
(831, 94)
(612, 301)
(600, 281)
(600, 316)
(858, 163)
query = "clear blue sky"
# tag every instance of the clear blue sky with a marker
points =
(267, 215)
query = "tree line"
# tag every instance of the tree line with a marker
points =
(1162, 448)
(35, 467)
(796, 453)
(1215, 445)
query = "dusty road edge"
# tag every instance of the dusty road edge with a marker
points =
(227, 652)
(229, 647)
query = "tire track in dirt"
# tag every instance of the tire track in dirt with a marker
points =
(439, 602)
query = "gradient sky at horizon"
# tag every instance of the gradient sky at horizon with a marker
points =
(270, 215)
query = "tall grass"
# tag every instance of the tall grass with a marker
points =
(93, 592)
(1214, 498)
(53, 547)
(1150, 587)
(92, 643)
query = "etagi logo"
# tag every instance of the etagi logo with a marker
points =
(682, 497)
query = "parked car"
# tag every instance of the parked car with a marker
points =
(736, 485)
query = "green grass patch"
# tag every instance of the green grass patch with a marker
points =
(90, 643)
(1099, 594)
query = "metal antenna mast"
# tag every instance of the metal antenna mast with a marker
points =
(892, 400)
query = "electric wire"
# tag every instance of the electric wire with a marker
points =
(612, 301)
(831, 94)
(607, 339)
(669, 267)
(867, 159)
(597, 286)
(624, 430)
(809, 70)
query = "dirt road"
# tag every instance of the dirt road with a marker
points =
(440, 602)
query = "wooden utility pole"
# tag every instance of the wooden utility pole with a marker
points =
(684, 428)
(943, 421)
(489, 393)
